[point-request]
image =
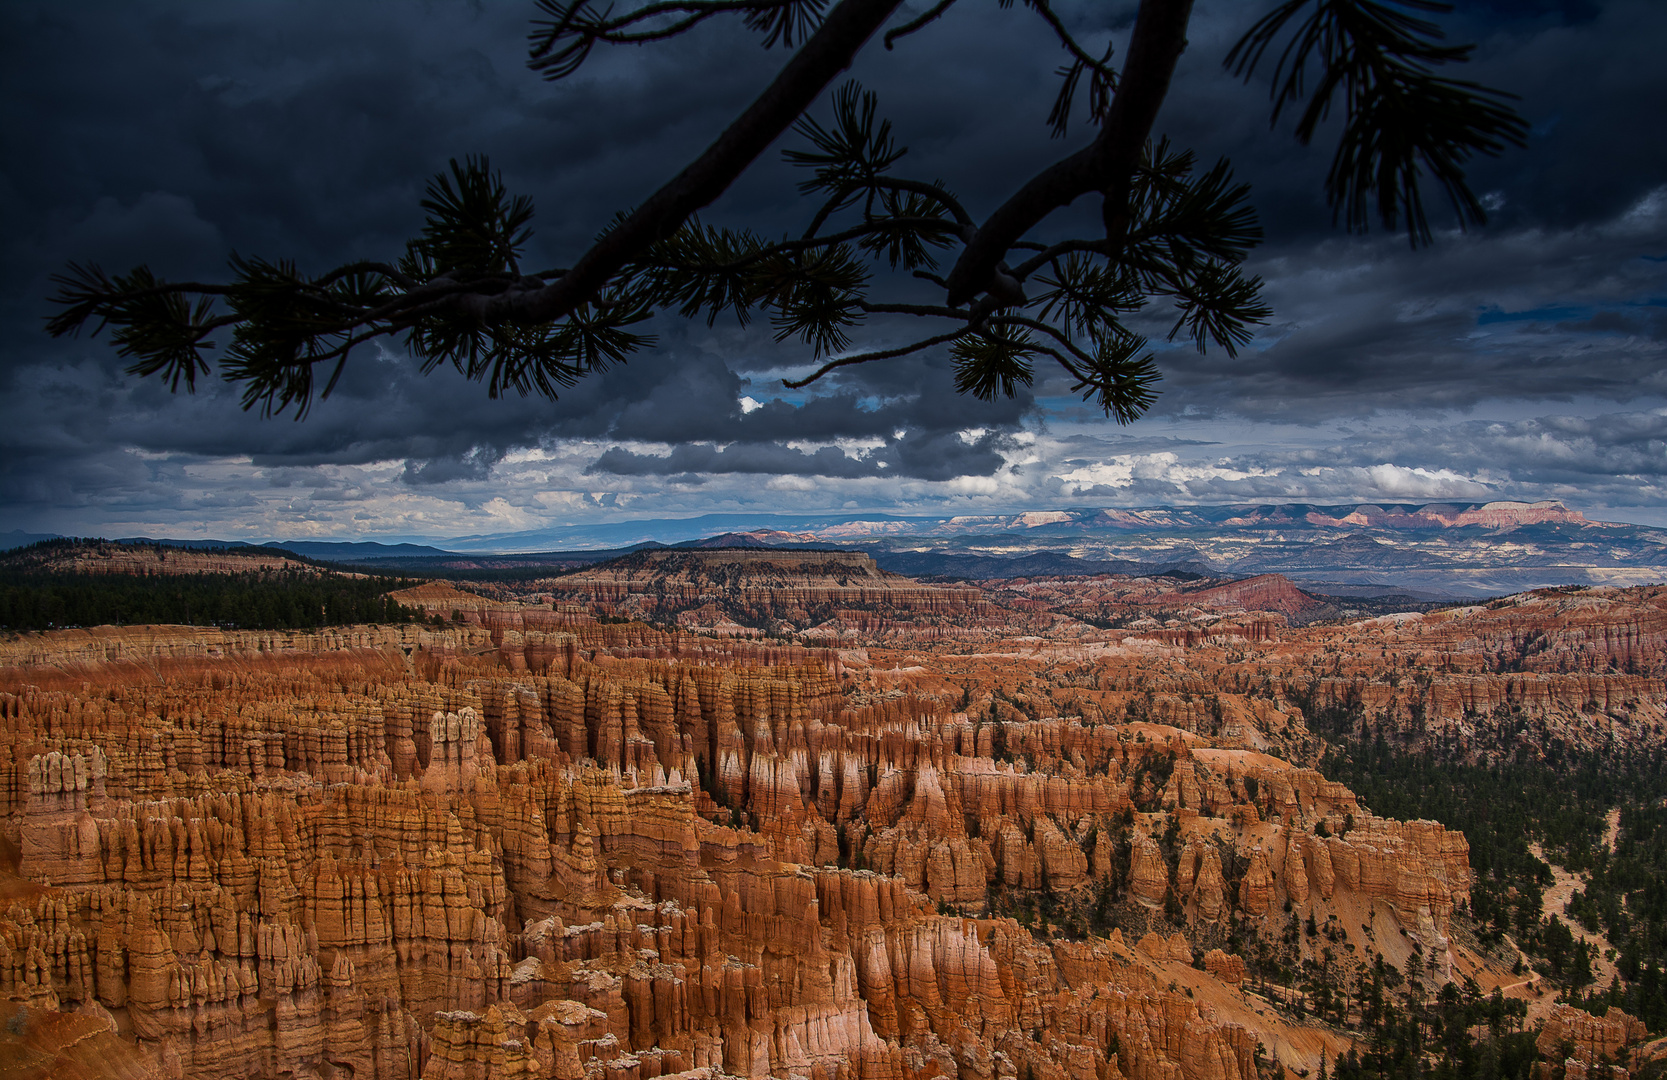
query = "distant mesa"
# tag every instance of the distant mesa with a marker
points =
(981, 567)
(1157, 518)
(1493, 515)
(757, 538)
(150, 557)
(1355, 552)
(750, 592)
(753, 556)
(1264, 592)
(346, 551)
(1398, 517)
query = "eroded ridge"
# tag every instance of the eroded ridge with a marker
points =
(532, 845)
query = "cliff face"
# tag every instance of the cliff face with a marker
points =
(1502, 515)
(610, 852)
(170, 651)
(1594, 1040)
(1585, 668)
(832, 595)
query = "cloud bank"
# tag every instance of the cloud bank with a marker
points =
(1524, 360)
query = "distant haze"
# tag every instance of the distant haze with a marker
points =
(1436, 550)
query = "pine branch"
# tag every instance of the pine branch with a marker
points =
(828, 51)
(1107, 164)
(563, 42)
(869, 357)
(1102, 82)
(1401, 118)
(933, 14)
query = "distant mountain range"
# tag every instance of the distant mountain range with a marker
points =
(1040, 564)
(1398, 517)
(1432, 549)
(1437, 549)
(17, 538)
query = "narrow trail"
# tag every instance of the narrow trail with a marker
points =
(1555, 902)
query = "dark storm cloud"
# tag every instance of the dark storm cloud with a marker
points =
(473, 464)
(175, 136)
(945, 456)
(1590, 76)
(179, 133)
(308, 129)
(1366, 326)
(1363, 325)
(1587, 76)
(1615, 448)
(746, 458)
(1606, 322)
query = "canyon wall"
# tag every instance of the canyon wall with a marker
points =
(605, 851)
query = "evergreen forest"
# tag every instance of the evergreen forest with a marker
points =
(34, 595)
(1558, 799)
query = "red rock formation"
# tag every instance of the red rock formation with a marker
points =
(1592, 1038)
(828, 594)
(1225, 966)
(1264, 592)
(534, 845)
(1587, 668)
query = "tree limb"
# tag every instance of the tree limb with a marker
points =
(1059, 358)
(392, 273)
(915, 24)
(879, 354)
(1064, 247)
(1078, 53)
(828, 52)
(855, 232)
(914, 309)
(1107, 164)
